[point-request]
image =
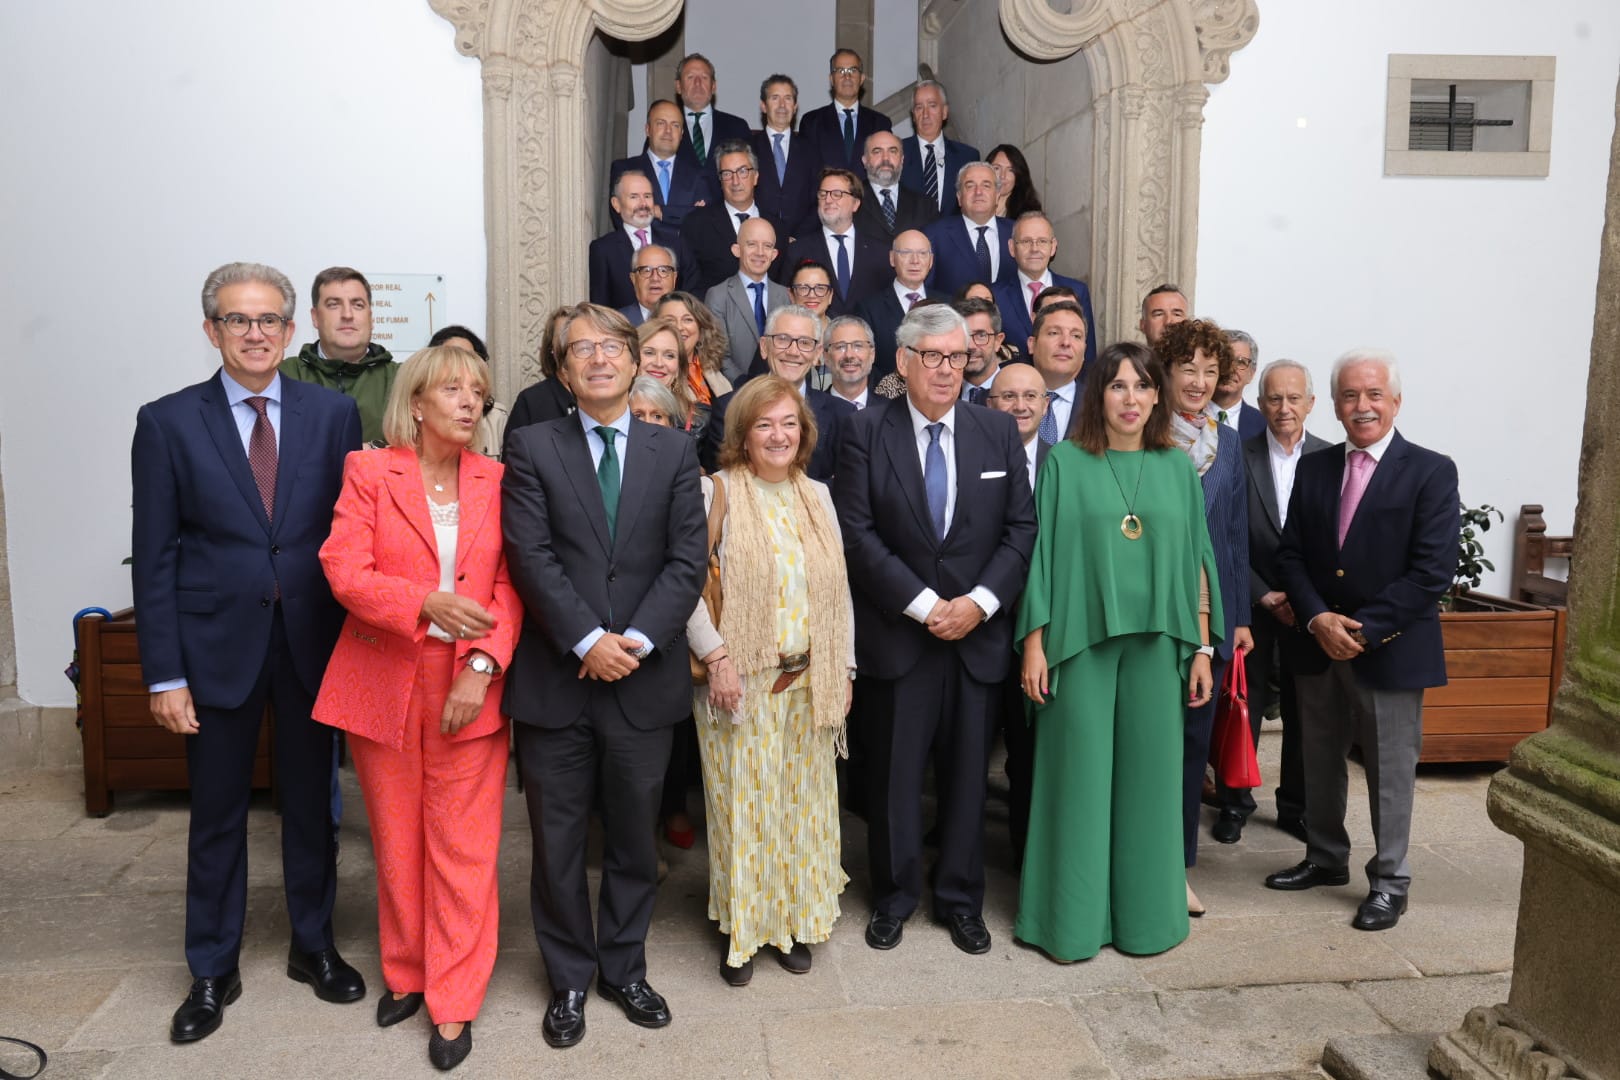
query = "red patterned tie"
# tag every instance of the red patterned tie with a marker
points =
(262, 455)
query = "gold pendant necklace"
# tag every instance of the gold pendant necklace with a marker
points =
(1130, 524)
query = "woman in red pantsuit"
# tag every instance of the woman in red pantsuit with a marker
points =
(415, 556)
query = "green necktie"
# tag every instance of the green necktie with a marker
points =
(607, 477)
(697, 138)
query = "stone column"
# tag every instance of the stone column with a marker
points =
(1560, 794)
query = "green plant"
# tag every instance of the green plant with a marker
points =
(1471, 560)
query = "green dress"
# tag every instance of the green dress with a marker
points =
(1103, 863)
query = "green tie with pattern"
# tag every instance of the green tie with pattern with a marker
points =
(607, 478)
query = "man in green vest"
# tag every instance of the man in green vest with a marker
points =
(344, 358)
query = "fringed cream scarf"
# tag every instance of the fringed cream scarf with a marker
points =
(1199, 435)
(753, 590)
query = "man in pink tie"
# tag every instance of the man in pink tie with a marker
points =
(612, 256)
(912, 257)
(1369, 549)
(1033, 247)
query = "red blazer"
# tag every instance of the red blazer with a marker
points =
(382, 561)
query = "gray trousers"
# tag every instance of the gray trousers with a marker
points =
(1336, 709)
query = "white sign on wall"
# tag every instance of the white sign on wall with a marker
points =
(405, 310)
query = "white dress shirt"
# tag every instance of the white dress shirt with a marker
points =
(992, 240)
(1032, 451)
(1231, 416)
(900, 291)
(598, 448)
(859, 400)
(920, 608)
(1283, 465)
(1376, 449)
(939, 157)
(1062, 407)
(770, 147)
(630, 231)
(827, 237)
(1024, 283)
(752, 210)
(705, 121)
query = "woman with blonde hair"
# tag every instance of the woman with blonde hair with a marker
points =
(662, 355)
(780, 665)
(706, 344)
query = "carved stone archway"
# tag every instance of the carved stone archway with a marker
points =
(1150, 61)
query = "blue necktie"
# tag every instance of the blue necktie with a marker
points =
(843, 266)
(977, 394)
(849, 135)
(759, 305)
(663, 179)
(934, 479)
(931, 177)
(982, 250)
(1048, 432)
(888, 208)
(781, 158)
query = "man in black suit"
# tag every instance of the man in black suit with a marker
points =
(711, 231)
(1369, 549)
(611, 256)
(1271, 460)
(605, 537)
(971, 245)
(910, 257)
(1032, 248)
(888, 207)
(680, 182)
(705, 127)
(1236, 413)
(791, 347)
(234, 483)
(838, 130)
(933, 162)
(859, 261)
(789, 168)
(934, 501)
(1058, 351)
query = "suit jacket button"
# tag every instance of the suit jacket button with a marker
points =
(275, 549)
(613, 577)
(1338, 573)
(264, 601)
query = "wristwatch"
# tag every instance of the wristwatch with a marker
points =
(484, 665)
(1207, 650)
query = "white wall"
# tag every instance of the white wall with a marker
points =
(750, 40)
(893, 64)
(145, 144)
(1482, 287)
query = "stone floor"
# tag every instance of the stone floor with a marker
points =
(91, 966)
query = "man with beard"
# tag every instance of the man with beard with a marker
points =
(857, 259)
(847, 352)
(889, 208)
(985, 338)
(612, 255)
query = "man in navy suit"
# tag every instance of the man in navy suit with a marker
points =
(859, 262)
(791, 347)
(933, 162)
(911, 258)
(1057, 348)
(234, 483)
(1271, 462)
(1369, 549)
(712, 231)
(1032, 248)
(789, 167)
(654, 274)
(1164, 305)
(971, 245)
(611, 256)
(889, 208)
(680, 182)
(704, 126)
(1235, 412)
(933, 498)
(837, 131)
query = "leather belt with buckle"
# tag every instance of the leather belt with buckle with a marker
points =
(792, 666)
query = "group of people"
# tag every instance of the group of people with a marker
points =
(789, 527)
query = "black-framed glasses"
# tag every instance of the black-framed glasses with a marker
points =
(932, 358)
(834, 194)
(817, 291)
(980, 337)
(612, 348)
(654, 271)
(790, 341)
(236, 324)
(742, 172)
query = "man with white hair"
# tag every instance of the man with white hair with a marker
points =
(1369, 549)
(971, 245)
(932, 162)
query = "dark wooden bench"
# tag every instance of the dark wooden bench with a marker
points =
(1532, 547)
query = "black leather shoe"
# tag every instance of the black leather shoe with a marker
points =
(564, 1024)
(1307, 875)
(641, 1003)
(968, 933)
(1380, 911)
(332, 978)
(1228, 829)
(737, 976)
(199, 1015)
(796, 960)
(391, 1010)
(883, 931)
(446, 1054)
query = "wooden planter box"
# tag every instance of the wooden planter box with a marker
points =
(1504, 660)
(124, 748)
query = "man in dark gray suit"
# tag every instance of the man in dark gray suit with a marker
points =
(1270, 458)
(605, 537)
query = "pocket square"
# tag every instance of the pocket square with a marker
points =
(995, 475)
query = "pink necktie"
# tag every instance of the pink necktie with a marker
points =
(641, 239)
(1355, 485)
(1034, 291)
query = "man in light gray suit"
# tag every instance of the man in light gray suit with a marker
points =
(1286, 399)
(742, 302)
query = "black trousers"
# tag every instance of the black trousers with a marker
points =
(935, 710)
(220, 761)
(1267, 656)
(563, 770)
(1018, 732)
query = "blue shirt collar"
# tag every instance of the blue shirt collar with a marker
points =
(236, 393)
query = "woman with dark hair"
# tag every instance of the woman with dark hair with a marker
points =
(492, 425)
(1114, 626)
(704, 338)
(1015, 191)
(811, 285)
(1196, 355)
(550, 397)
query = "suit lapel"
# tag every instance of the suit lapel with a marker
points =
(294, 425)
(221, 426)
(970, 462)
(1258, 454)
(640, 456)
(1384, 478)
(406, 488)
(900, 444)
(575, 455)
(478, 491)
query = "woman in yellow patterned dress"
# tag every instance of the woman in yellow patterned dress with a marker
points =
(771, 720)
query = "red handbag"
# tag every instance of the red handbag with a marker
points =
(1235, 760)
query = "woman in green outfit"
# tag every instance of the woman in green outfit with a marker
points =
(1115, 629)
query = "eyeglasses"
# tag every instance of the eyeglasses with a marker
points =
(236, 324)
(859, 348)
(741, 173)
(980, 337)
(846, 71)
(1241, 364)
(817, 291)
(1038, 242)
(1013, 397)
(654, 271)
(834, 194)
(788, 341)
(932, 358)
(612, 348)
(912, 253)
